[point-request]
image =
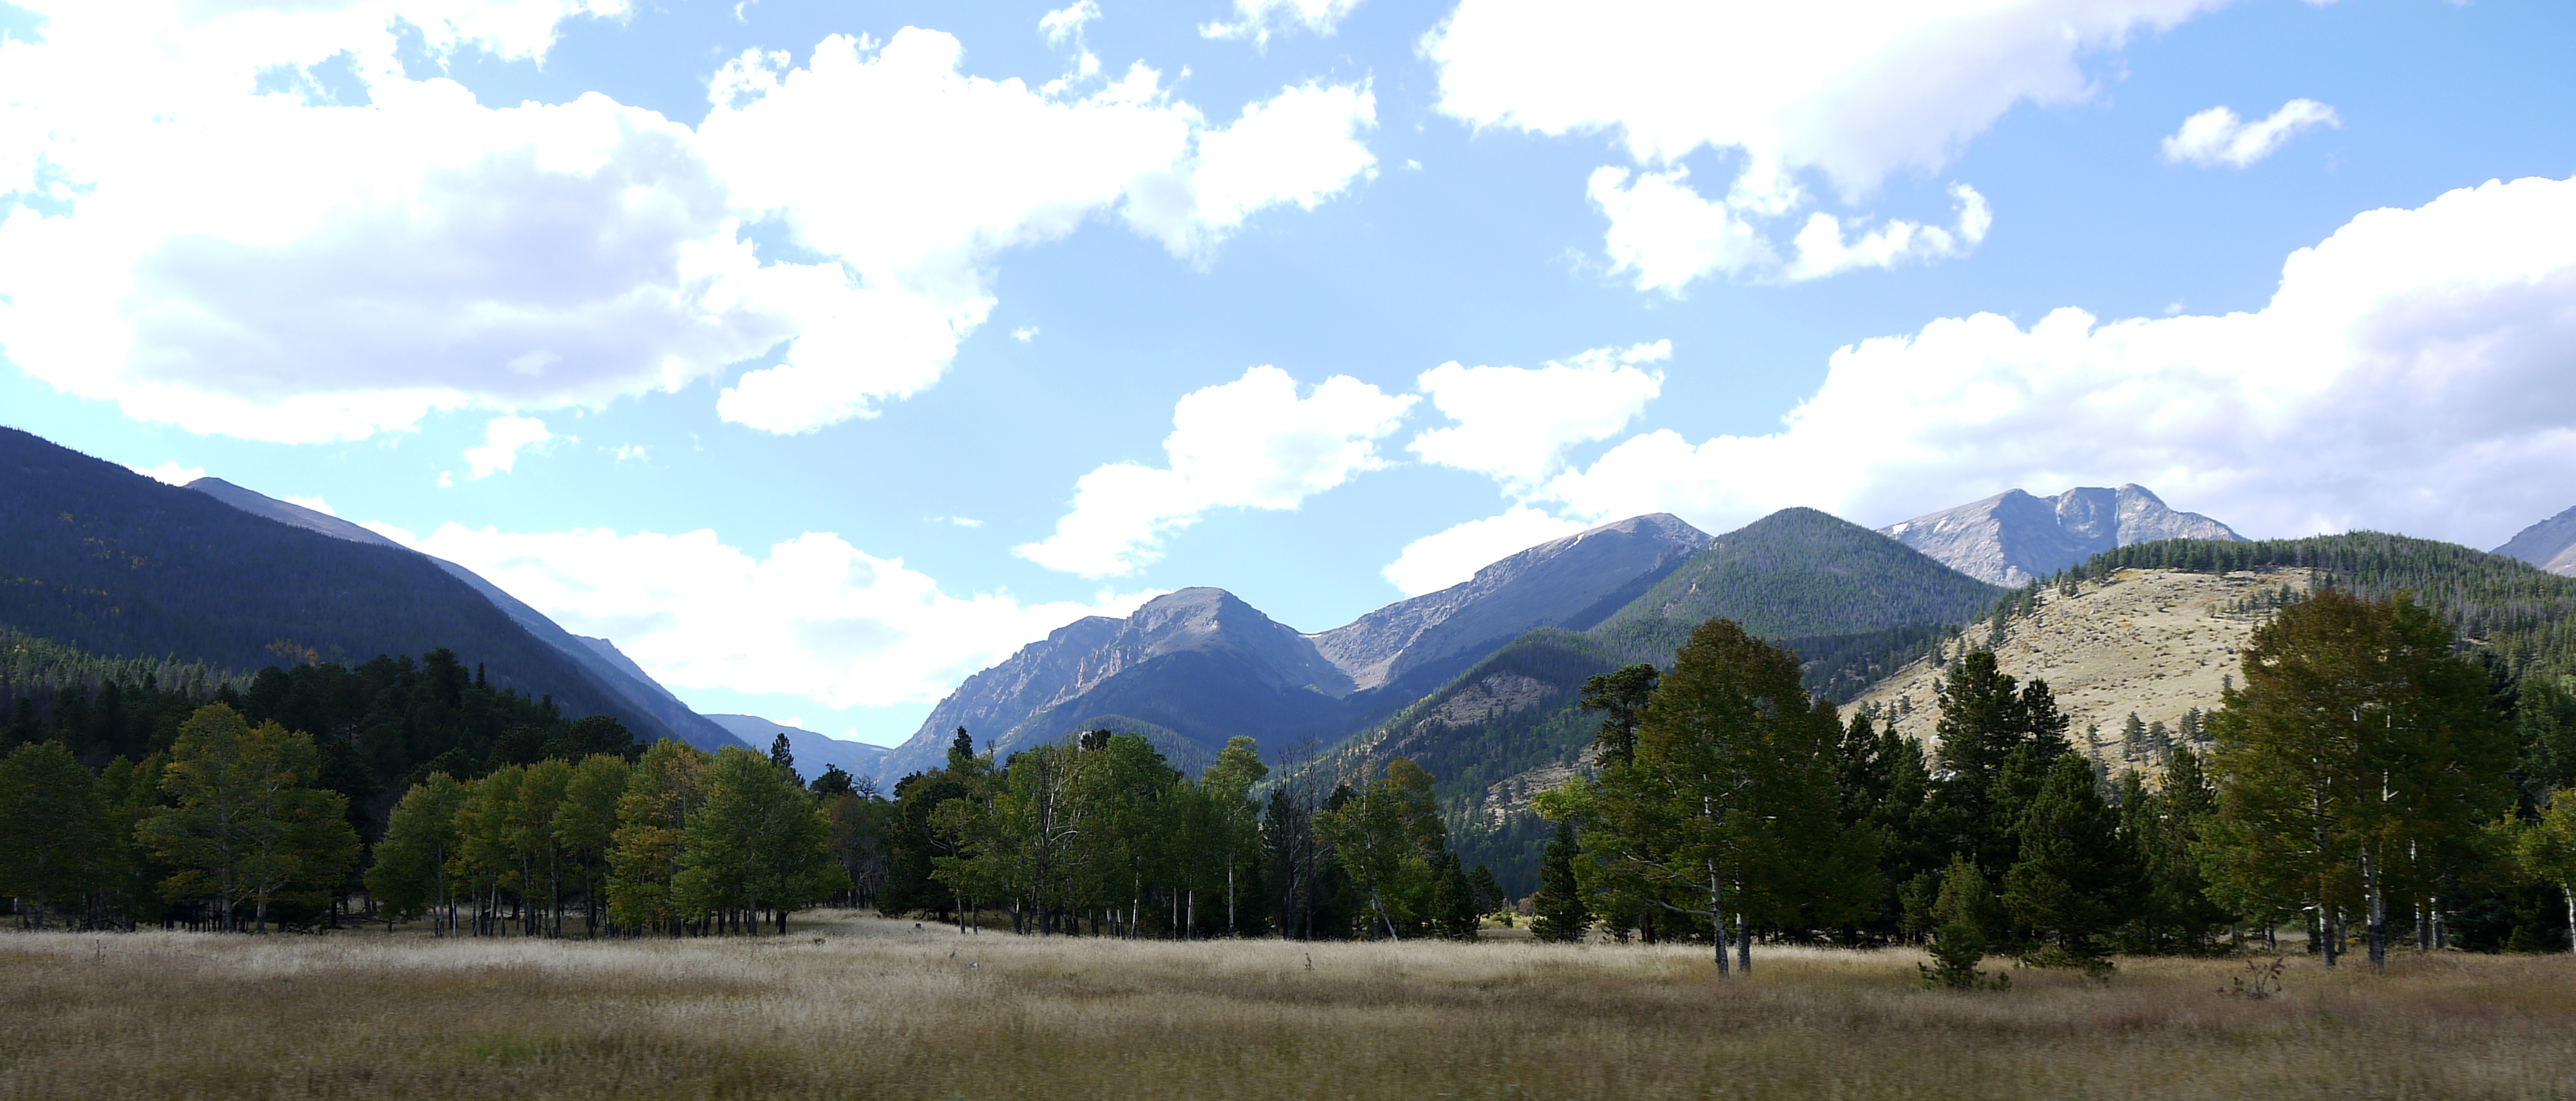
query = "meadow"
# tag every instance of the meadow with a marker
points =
(858, 1006)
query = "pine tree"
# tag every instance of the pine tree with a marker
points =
(1966, 915)
(2077, 876)
(1558, 913)
(783, 755)
(1622, 695)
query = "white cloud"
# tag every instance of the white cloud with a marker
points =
(1437, 561)
(631, 453)
(1065, 24)
(1025, 333)
(1250, 443)
(171, 473)
(503, 439)
(2410, 374)
(931, 172)
(1514, 423)
(1822, 250)
(315, 503)
(327, 272)
(2217, 137)
(1301, 146)
(815, 617)
(1852, 91)
(1259, 19)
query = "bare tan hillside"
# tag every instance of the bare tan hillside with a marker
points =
(2154, 642)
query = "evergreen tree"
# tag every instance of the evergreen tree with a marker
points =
(783, 755)
(1966, 915)
(1621, 695)
(1998, 739)
(2076, 877)
(1557, 911)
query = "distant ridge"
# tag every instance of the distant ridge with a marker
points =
(2013, 538)
(109, 561)
(2549, 544)
(595, 655)
(814, 752)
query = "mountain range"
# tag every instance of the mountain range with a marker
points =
(2013, 538)
(1193, 668)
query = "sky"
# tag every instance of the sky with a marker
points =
(822, 354)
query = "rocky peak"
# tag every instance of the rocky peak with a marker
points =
(2014, 538)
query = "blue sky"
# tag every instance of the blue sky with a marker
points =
(821, 354)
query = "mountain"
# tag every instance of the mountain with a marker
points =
(596, 656)
(2013, 538)
(97, 557)
(1195, 667)
(1854, 604)
(814, 752)
(1411, 646)
(2549, 544)
(1198, 661)
(1799, 576)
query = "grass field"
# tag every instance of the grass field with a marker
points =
(877, 1009)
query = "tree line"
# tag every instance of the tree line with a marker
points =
(2368, 781)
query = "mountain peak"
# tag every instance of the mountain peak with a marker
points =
(1573, 582)
(2014, 538)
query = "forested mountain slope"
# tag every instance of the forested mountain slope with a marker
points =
(1412, 646)
(599, 657)
(1853, 602)
(95, 556)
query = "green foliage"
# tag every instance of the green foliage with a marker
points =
(1558, 913)
(758, 845)
(2356, 762)
(1799, 573)
(58, 834)
(245, 826)
(1967, 914)
(2076, 874)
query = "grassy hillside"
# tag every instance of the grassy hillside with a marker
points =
(99, 558)
(2523, 615)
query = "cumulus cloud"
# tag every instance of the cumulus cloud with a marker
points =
(932, 172)
(1439, 560)
(328, 268)
(503, 439)
(1301, 146)
(171, 473)
(1850, 91)
(2409, 374)
(1250, 443)
(2217, 137)
(814, 617)
(1257, 20)
(1514, 423)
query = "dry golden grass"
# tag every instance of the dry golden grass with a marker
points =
(878, 1010)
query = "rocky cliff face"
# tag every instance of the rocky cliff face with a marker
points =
(2549, 544)
(2014, 538)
